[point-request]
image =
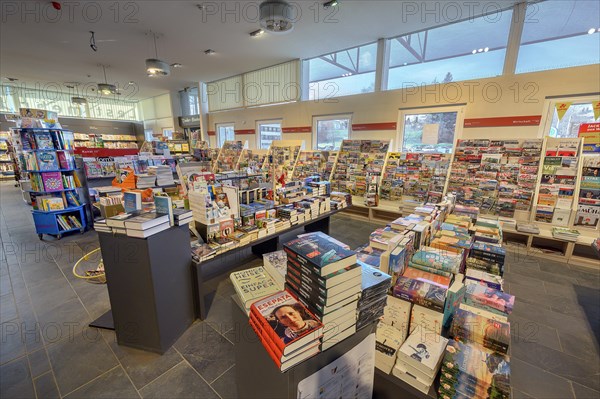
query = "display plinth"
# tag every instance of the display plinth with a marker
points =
(257, 376)
(149, 286)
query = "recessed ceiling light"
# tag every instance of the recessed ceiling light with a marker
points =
(209, 51)
(485, 50)
(11, 79)
(591, 31)
(176, 65)
(131, 82)
(331, 3)
(474, 52)
(257, 33)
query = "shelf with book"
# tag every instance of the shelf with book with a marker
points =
(51, 167)
(558, 182)
(252, 160)
(355, 159)
(311, 163)
(229, 156)
(588, 195)
(281, 160)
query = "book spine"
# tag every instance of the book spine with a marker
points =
(268, 331)
(265, 342)
(313, 290)
(306, 273)
(303, 261)
(313, 309)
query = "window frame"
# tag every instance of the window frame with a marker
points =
(320, 118)
(267, 122)
(403, 112)
(217, 133)
(550, 105)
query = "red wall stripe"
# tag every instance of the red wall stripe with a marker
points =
(212, 133)
(245, 131)
(375, 126)
(299, 129)
(501, 121)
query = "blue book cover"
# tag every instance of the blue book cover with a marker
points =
(132, 201)
(164, 206)
(47, 160)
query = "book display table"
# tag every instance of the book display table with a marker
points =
(149, 286)
(259, 377)
(208, 274)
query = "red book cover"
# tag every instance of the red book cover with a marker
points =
(437, 279)
(288, 323)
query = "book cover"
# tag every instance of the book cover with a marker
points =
(489, 299)
(471, 327)
(253, 284)
(321, 252)
(427, 319)
(423, 350)
(44, 141)
(286, 321)
(164, 206)
(442, 281)
(397, 314)
(276, 265)
(226, 228)
(421, 293)
(52, 181)
(132, 201)
(47, 160)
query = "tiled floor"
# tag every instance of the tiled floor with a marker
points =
(48, 351)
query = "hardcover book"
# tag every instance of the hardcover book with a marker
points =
(44, 141)
(276, 265)
(52, 181)
(421, 293)
(47, 160)
(288, 323)
(321, 253)
(253, 284)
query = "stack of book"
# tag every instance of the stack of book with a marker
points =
(470, 371)
(528, 228)
(252, 284)
(340, 200)
(369, 255)
(565, 234)
(487, 257)
(422, 291)
(325, 277)
(202, 252)
(475, 276)
(164, 175)
(289, 332)
(391, 333)
(100, 226)
(479, 326)
(182, 216)
(489, 299)
(146, 224)
(145, 180)
(419, 359)
(375, 285)
(276, 264)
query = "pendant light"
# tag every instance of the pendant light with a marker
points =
(106, 88)
(156, 67)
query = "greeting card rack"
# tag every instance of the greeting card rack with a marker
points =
(50, 164)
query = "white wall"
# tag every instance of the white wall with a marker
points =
(158, 112)
(514, 95)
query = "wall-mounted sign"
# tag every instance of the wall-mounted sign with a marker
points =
(189, 121)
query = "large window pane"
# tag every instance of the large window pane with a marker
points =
(330, 131)
(225, 132)
(267, 132)
(560, 34)
(568, 126)
(471, 49)
(429, 132)
(343, 73)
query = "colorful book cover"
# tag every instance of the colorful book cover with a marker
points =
(286, 321)
(253, 284)
(226, 228)
(52, 181)
(490, 299)
(324, 254)
(421, 293)
(44, 141)
(47, 160)
(471, 327)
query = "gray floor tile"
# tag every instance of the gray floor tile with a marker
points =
(112, 384)
(206, 350)
(225, 385)
(179, 382)
(66, 320)
(579, 346)
(89, 356)
(8, 308)
(38, 362)
(528, 331)
(16, 380)
(582, 392)
(12, 345)
(45, 386)
(538, 383)
(141, 366)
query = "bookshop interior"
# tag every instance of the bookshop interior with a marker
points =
(324, 199)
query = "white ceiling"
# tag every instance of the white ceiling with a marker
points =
(55, 49)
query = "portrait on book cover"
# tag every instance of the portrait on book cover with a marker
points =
(291, 321)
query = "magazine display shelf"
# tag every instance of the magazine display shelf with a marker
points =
(149, 288)
(256, 374)
(208, 274)
(385, 212)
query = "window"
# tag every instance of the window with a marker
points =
(471, 49)
(189, 101)
(559, 34)
(580, 111)
(430, 130)
(329, 131)
(267, 132)
(342, 73)
(225, 132)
